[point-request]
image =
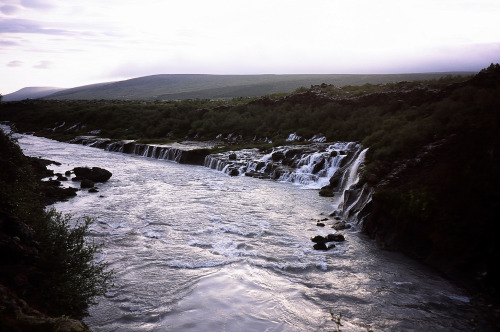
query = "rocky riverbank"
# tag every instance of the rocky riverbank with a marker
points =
(26, 264)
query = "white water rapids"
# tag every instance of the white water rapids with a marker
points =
(197, 250)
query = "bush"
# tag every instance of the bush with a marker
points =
(73, 277)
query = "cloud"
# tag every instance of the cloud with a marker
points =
(9, 10)
(7, 43)
(43, 65)
(15, 63)
(28, 26)
(37, 4)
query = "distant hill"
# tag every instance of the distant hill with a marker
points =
(191, 86)
(31, 93)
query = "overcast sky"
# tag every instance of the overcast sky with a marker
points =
(67, 43)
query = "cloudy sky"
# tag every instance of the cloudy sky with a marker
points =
(67, 43)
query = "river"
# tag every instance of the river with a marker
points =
(197, 250)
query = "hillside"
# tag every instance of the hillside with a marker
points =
(31, 93)
(177, 87)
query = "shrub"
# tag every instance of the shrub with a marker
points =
(73, 277)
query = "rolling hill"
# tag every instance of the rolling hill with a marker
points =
(191, 86)
(31, 93)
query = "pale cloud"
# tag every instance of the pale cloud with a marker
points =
(9, 26)
(43, 65)
(15, 63)
(38, 4)
(9, 9)
(8, 43)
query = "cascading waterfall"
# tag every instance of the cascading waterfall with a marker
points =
(313, 165)
(129, 147)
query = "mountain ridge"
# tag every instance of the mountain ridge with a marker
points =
(208, 86)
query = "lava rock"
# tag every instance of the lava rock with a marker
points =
(335, 237)
(319, 239)
(326, 191)
(95, 174)
(277, 156)
(86, 183)
(320, 246)
(340, 225)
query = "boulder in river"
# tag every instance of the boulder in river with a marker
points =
(86, 183)
(335, 237)
(340, 225)
(95, 174)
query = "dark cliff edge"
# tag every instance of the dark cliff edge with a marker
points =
(442, 205)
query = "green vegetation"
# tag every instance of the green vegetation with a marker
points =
(50, 252)
(179, 87)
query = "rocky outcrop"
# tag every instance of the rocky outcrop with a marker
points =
(51, 191)
(321, 241)
(94, 174)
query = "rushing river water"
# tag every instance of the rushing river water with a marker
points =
(196, 250)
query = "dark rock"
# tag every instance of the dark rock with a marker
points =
(194, 157)
(232, 156)
(335, 237)
(277, 156)
(260, 165)
(319, 166)
(234, 172)
(77, 178)
(269, 168)
(336, 181)
(93, 190)
(319, 239)
(320, 246)
(326, 191)
(320, 224)
(340, 225)
(67, 173)
(86, 183)
(331, 246)
(61, 178)
(95, 174)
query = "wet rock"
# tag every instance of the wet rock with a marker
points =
(67, 173)
(336, 181)
(319, 166)
(320, 246)
(93, 190)
(232, 156)
(319, 239)
(335, 237)
(277, 156)
(260, 165)
(95, 174)
(340, 225)
(320, 224)
(326, 191)
(60, 177)
(86, 183)
(234, 172)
